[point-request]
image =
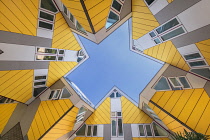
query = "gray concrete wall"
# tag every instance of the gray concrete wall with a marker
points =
(172, 71)
(107, 131)
(127, 131)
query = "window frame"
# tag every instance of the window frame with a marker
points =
(121, 3)
(47, 23)
(40, 79)
(37, 86)
(58, 97)
(116, 118)
(193, 58)
(108, 18)
(169, 78)
(43, 19)
(47, 53)
(40, 8)
(196, 60)
(150, 4)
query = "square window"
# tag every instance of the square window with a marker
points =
(116, 5)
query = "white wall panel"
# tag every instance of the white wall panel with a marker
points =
(14, 52)
(195, 81)
(116, 105)
(146, 42)
(196, 16)
(157, 6)
(38, 72)
(44, 33)
(70, 55)
(134, 130)
(100, 130)
(192, 48)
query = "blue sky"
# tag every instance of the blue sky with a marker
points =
(111, 63)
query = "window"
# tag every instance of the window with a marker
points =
(116, 124)
(167, 31)
(48, 5)
(5, 100)
(192, 56)
(39, 83)
(49, 54)
(116, 5)
(95, 130)
(65, 9)
(81, 131)
(40, 77)
(149, 2)
(71, 18)
(162, 84)
(59, 94)
(197, 63)
(115, 95)
(205, 72)
(46, 16)
(38, 90)
(152, 130)
(79, 27)
(159, 131)
(81, 114)
(112, 19)
(45, 25)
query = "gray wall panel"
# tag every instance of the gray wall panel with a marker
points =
(207, 88)
(127, 131)
(21, 39)
(173, 9)
(126, 9)
(172, 71)
(23, 65)
(192, 37)
(107, 131)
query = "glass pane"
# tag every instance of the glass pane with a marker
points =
(172, 34)
(71, 17)
(51, 94)
(48, 4)
(184, 82)
(89, 131)
(61, 51)
(113, 18)
(56, 94)
(45, 57)
(39, 83)
(94, 130)
(81, 131)
(112, 95)
(82, 109)
(118, 95)
(167, 26)
(192, 56)
(116, 5)
(113, 128)
(152, 34)
(148, 130)
(203, 72)
(45, 25)
(149, 1)
(40, 77)
(60, 58)
(37, 91)
(80, 28)
(157, 41)
(197, 63)
(162, 84)
(158, 130)
(2, 100)
(65, 9)
(46, 16)
(141, 130)
(120, 129)
(46, 50)
(65, 93)
(175, 82)
(119, 114)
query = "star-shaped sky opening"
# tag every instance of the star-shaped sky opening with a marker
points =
(111, 63)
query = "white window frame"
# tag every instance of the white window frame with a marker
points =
(46, 28)
(169, 78)
(59, 94)
(37, 86)
(43, 19)
(116, 120)
(159, 36)
(40, 8)
(115, 22)
(40, 79)
(46, 53)
(116, 11)
(196, 61)
(7, 101)
(193, 58)
(154, 131)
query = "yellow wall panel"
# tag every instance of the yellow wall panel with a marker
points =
(19, 16)
(189, 106)
(57, 70)
(169, 1)
(63, 37)
(101, 115)
(47, 114)
(142, 19)
(6, 111)
(64, 126)
(75, 7)
(132, 114)
(168, 53)
(16, 84)
(204, 47)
